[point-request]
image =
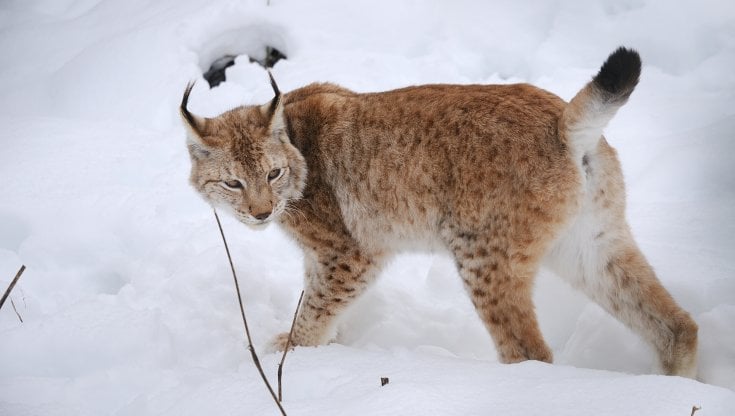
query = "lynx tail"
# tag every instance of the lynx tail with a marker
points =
(596, 104)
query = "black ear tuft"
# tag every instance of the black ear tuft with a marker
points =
(620, 72)
(276, 91)
(276, 99)
(184, 102)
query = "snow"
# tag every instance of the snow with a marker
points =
(127, 303)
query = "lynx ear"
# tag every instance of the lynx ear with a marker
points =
(278, 122)
(274, 112)
(195, 124)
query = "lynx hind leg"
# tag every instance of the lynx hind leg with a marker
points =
(610, 269)
(334, 278)
(598, 255)
(637, 298)
(500, 286)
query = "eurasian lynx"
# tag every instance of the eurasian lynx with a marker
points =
(504, 177)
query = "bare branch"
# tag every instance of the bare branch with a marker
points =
(694, 409)
(12, 285)
(288, 345)
(253, 354)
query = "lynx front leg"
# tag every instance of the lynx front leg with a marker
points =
(333, 280)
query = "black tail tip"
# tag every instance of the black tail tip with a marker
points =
(620, 72)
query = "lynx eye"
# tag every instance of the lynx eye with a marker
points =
(233, 184)
(274, 174)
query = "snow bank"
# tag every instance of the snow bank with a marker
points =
(127, 302)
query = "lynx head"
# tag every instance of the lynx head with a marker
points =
(243, 160)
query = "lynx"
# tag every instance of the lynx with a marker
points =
(504, 177)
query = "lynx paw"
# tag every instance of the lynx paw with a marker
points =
(278, 343)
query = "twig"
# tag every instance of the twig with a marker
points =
(288, 345)
(245, 321)
(12, 285)
(694, 409)
(16, 310)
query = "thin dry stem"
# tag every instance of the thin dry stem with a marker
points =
(12, 284)
(288, 346)
(16, 310)
(694, 409)
(253, 354)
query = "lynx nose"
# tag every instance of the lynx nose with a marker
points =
(262, 215)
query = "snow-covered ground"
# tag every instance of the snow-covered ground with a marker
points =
(127, 303)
